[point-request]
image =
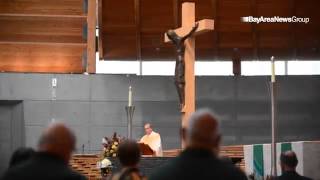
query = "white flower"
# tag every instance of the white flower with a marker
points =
(105, 163)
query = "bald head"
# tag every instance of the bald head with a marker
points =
(288, 161)
(203, 131)
(58, 139)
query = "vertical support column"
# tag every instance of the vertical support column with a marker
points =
(188, 20)
(138, 34)
(273, 120)
(99, 21)
(91, 40)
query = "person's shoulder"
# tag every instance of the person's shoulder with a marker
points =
(305, 178)
(230, 169)
(16, 171)
(143, 137)
(71, 174)
(165, 171)
(156, 134)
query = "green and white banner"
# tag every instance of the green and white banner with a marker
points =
(258, 158)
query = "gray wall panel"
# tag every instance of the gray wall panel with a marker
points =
(82, 137)
(215, 88)
(71, 113)
(73, 87)
(109, 114)
(253, 88)
(109, 88)
(94, 105)
(25, 86)
(32, 135)
(154, 88)
(37, 112)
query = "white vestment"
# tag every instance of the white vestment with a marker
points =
(154, 141)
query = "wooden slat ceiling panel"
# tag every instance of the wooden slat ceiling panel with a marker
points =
(41, 58)
(42, 29)
(156, 17)
(56, 7)
(42, 36)
(118, 20)
(250, 41)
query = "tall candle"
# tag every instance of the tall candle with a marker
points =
(273, 71)
(130, 96)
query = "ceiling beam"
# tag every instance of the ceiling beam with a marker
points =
(255, 36)
(100, 37)
(138, 33)
(91, 44)
(176, 13)
(215, 31)
(293, 31)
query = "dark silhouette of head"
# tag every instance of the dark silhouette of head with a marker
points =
(203, 131)
(288, 161)
(129, 153)
(59, 140)
(21, 155)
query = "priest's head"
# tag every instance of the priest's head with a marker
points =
(202, 131)
(148, 128)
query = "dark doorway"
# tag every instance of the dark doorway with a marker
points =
(11, 130)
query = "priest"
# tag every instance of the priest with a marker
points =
(152, 139)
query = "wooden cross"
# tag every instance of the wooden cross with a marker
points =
(205, 25)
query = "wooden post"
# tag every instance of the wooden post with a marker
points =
(188, 20)
(91, 37)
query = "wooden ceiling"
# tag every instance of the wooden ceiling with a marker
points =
(133, 29)
(42, 36)
(58, 36)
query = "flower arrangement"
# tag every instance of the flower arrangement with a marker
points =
(110, 149)
(112, 145)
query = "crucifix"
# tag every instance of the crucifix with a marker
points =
(183, 39)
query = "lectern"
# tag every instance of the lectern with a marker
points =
(145, 149)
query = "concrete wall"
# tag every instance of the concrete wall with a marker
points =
(93, 105)
(11, 130)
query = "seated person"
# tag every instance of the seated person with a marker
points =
(152, 139)
(200, 159)
(129, 157)
(288, 163)
(51, 161)
(21, 155)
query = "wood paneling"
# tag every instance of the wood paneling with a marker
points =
(49, 7)
(91, 40)
(42, 29)
(252, 41)
(41, 57)
(118, 30)
(43, 36)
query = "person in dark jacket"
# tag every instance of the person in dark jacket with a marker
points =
(21, 155)
(200, 158)
(288, 163)
(129, 156)
(51, 161)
